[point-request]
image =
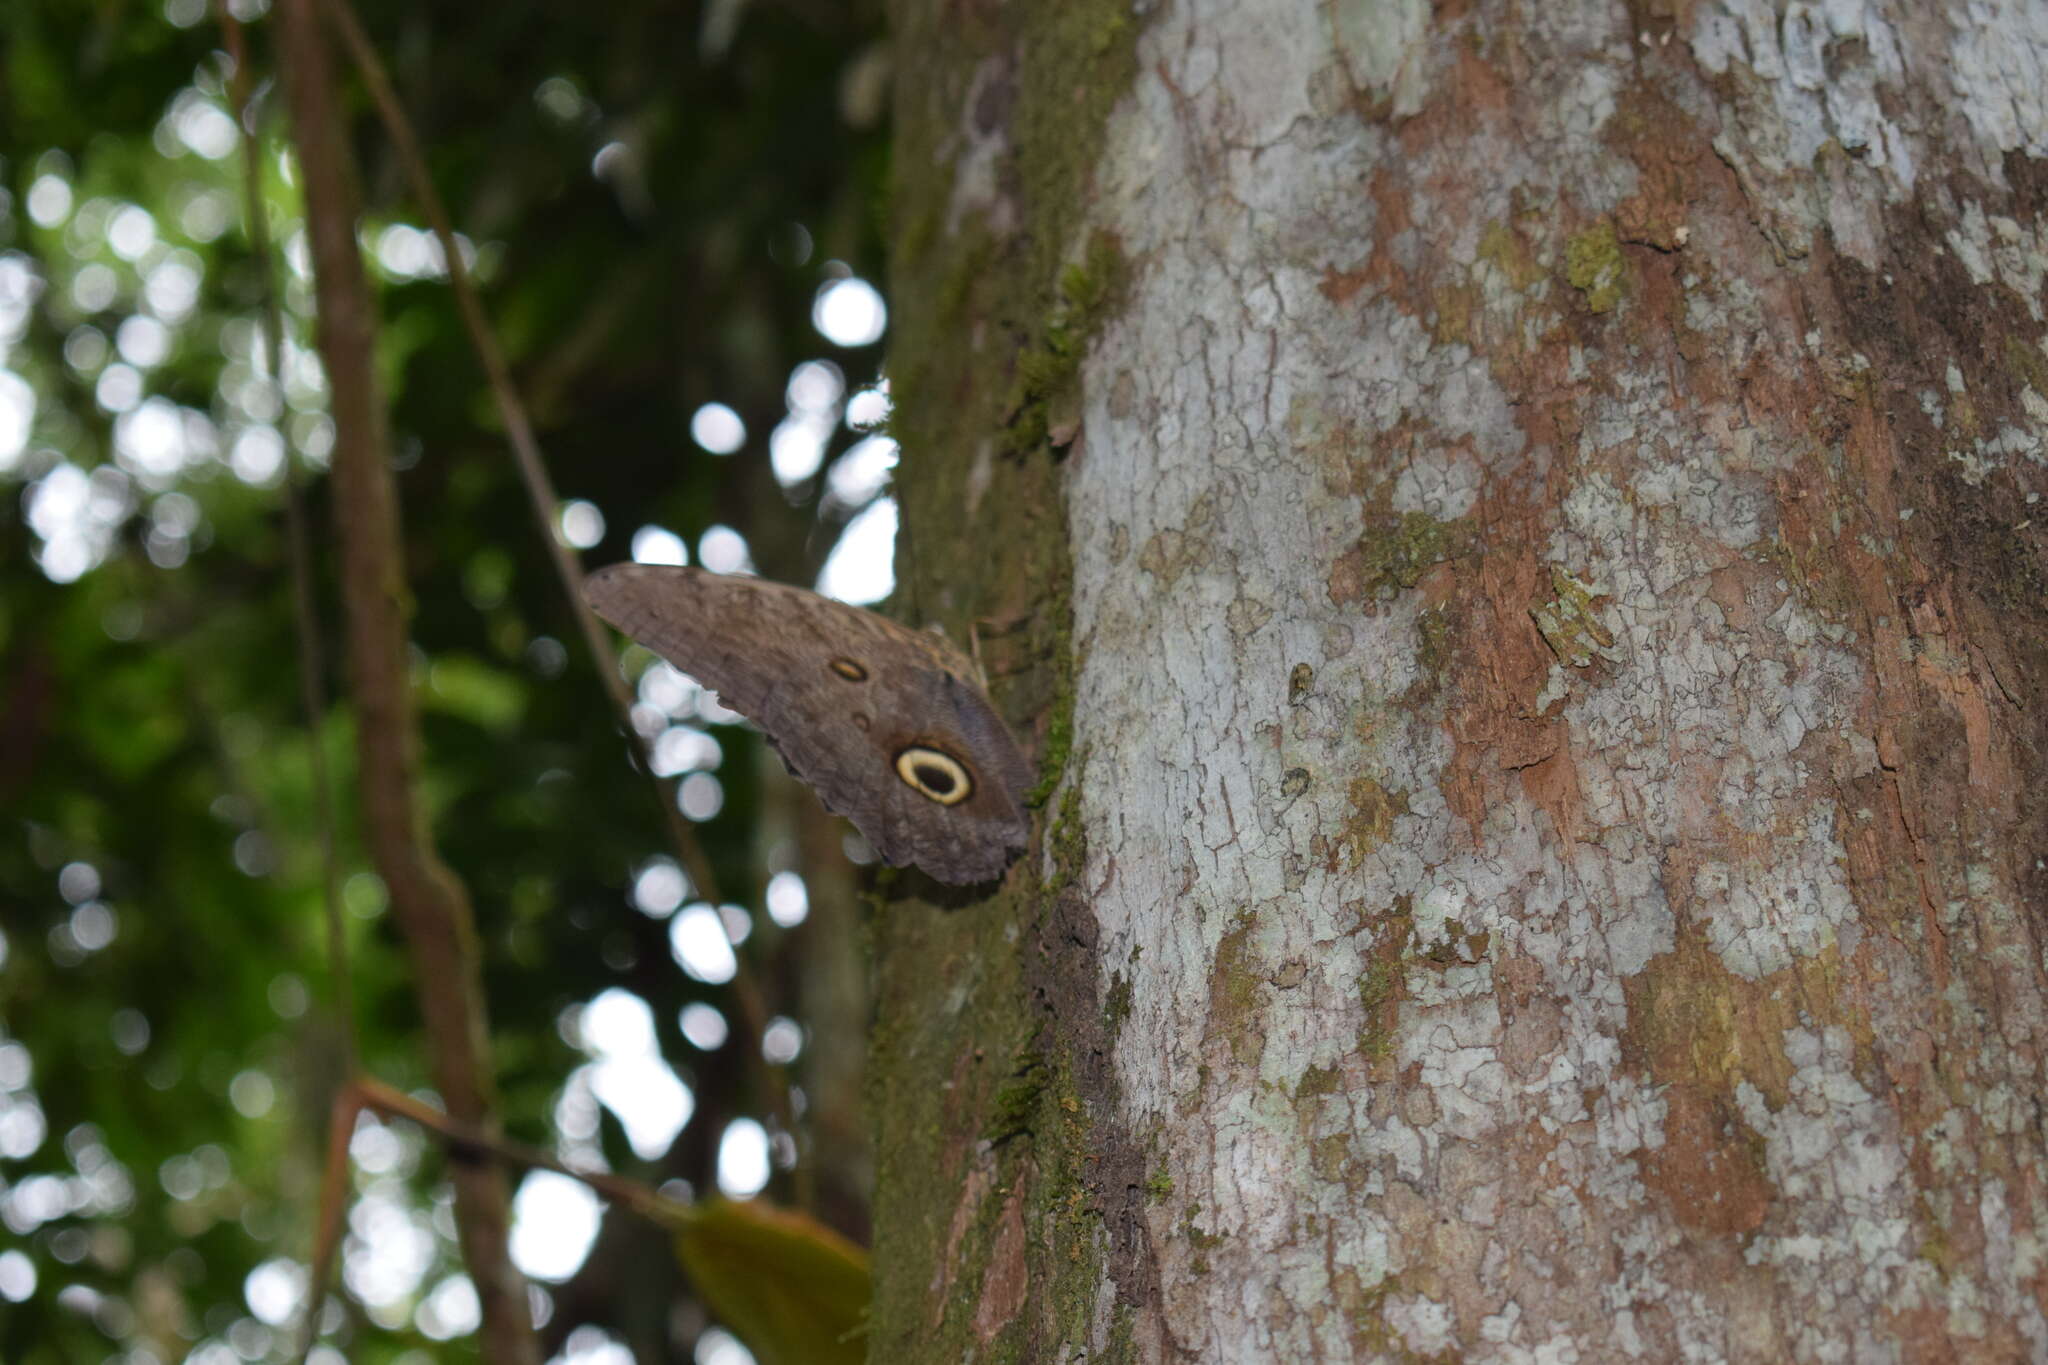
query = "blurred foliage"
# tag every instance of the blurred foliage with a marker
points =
(655, 193)
(798, 1297)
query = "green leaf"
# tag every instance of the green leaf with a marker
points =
(794, 1291)
(488, 698)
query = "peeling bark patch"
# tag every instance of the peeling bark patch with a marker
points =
(1710, 1167)
(981, 1178)
(1381, 48)
(1691, 1019)
(1234, 989)
(1503, 704)
(1245, 617)
(980, 152)
(1372, 812)
(1007, 1280)
(1836, 1153)
(1569, 623)
(1174, 550)
(1392, 556)
(1807, 90)
(1758, 919)
(1736, 709)
(1339, 285)
(1381, 982)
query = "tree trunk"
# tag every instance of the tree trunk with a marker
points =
(1550, 861)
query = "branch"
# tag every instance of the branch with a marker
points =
(462, 1140)
(430, 904)
(795, 1290)
(631, 1194)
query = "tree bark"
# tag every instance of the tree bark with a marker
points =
(1550, 859)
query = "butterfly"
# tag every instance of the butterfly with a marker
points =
(882, 721)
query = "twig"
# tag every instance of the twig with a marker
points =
(364, 1092)
(657, 1208)
(341, 1126)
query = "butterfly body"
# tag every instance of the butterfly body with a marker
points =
(882, 721)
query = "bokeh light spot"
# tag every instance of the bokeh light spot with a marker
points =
(797, 446)
(815, 386)
(450, 1310)
(559, 99)
(716, 1346)
(131, 232)
(119, 388)
(655, 545)
(582, 524)
(680, 749)
(17, 1276)
(172, 288)
(869, 407)
(589, 1345)
(850, 313)
(697, 938)
(252, 1093)
(700, 796)
(49, 200)
(723, 550)
(78, 882)
(858, 476)
(142, 341)
(659, 888)
(862, 567)
(274, 1289)
(743, 1159)
(92, 926)
(130, 1030)
(257, 456)
(782, 1040)
(704, 1026)
(739, 925)
(202, 125)
(718, 429)
(17, 417)
(788, 900)
(554, 1221)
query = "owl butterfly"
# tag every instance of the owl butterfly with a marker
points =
(881, 720)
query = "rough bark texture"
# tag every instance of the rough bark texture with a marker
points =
(1551, 860)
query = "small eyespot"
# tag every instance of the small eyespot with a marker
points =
(861, 721)
(937, 775)
(848, 669)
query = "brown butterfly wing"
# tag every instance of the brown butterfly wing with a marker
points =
(932, 708)
(840, 693)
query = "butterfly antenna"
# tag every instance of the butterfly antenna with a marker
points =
(974, 646)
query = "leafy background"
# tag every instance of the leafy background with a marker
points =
(656, 194)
